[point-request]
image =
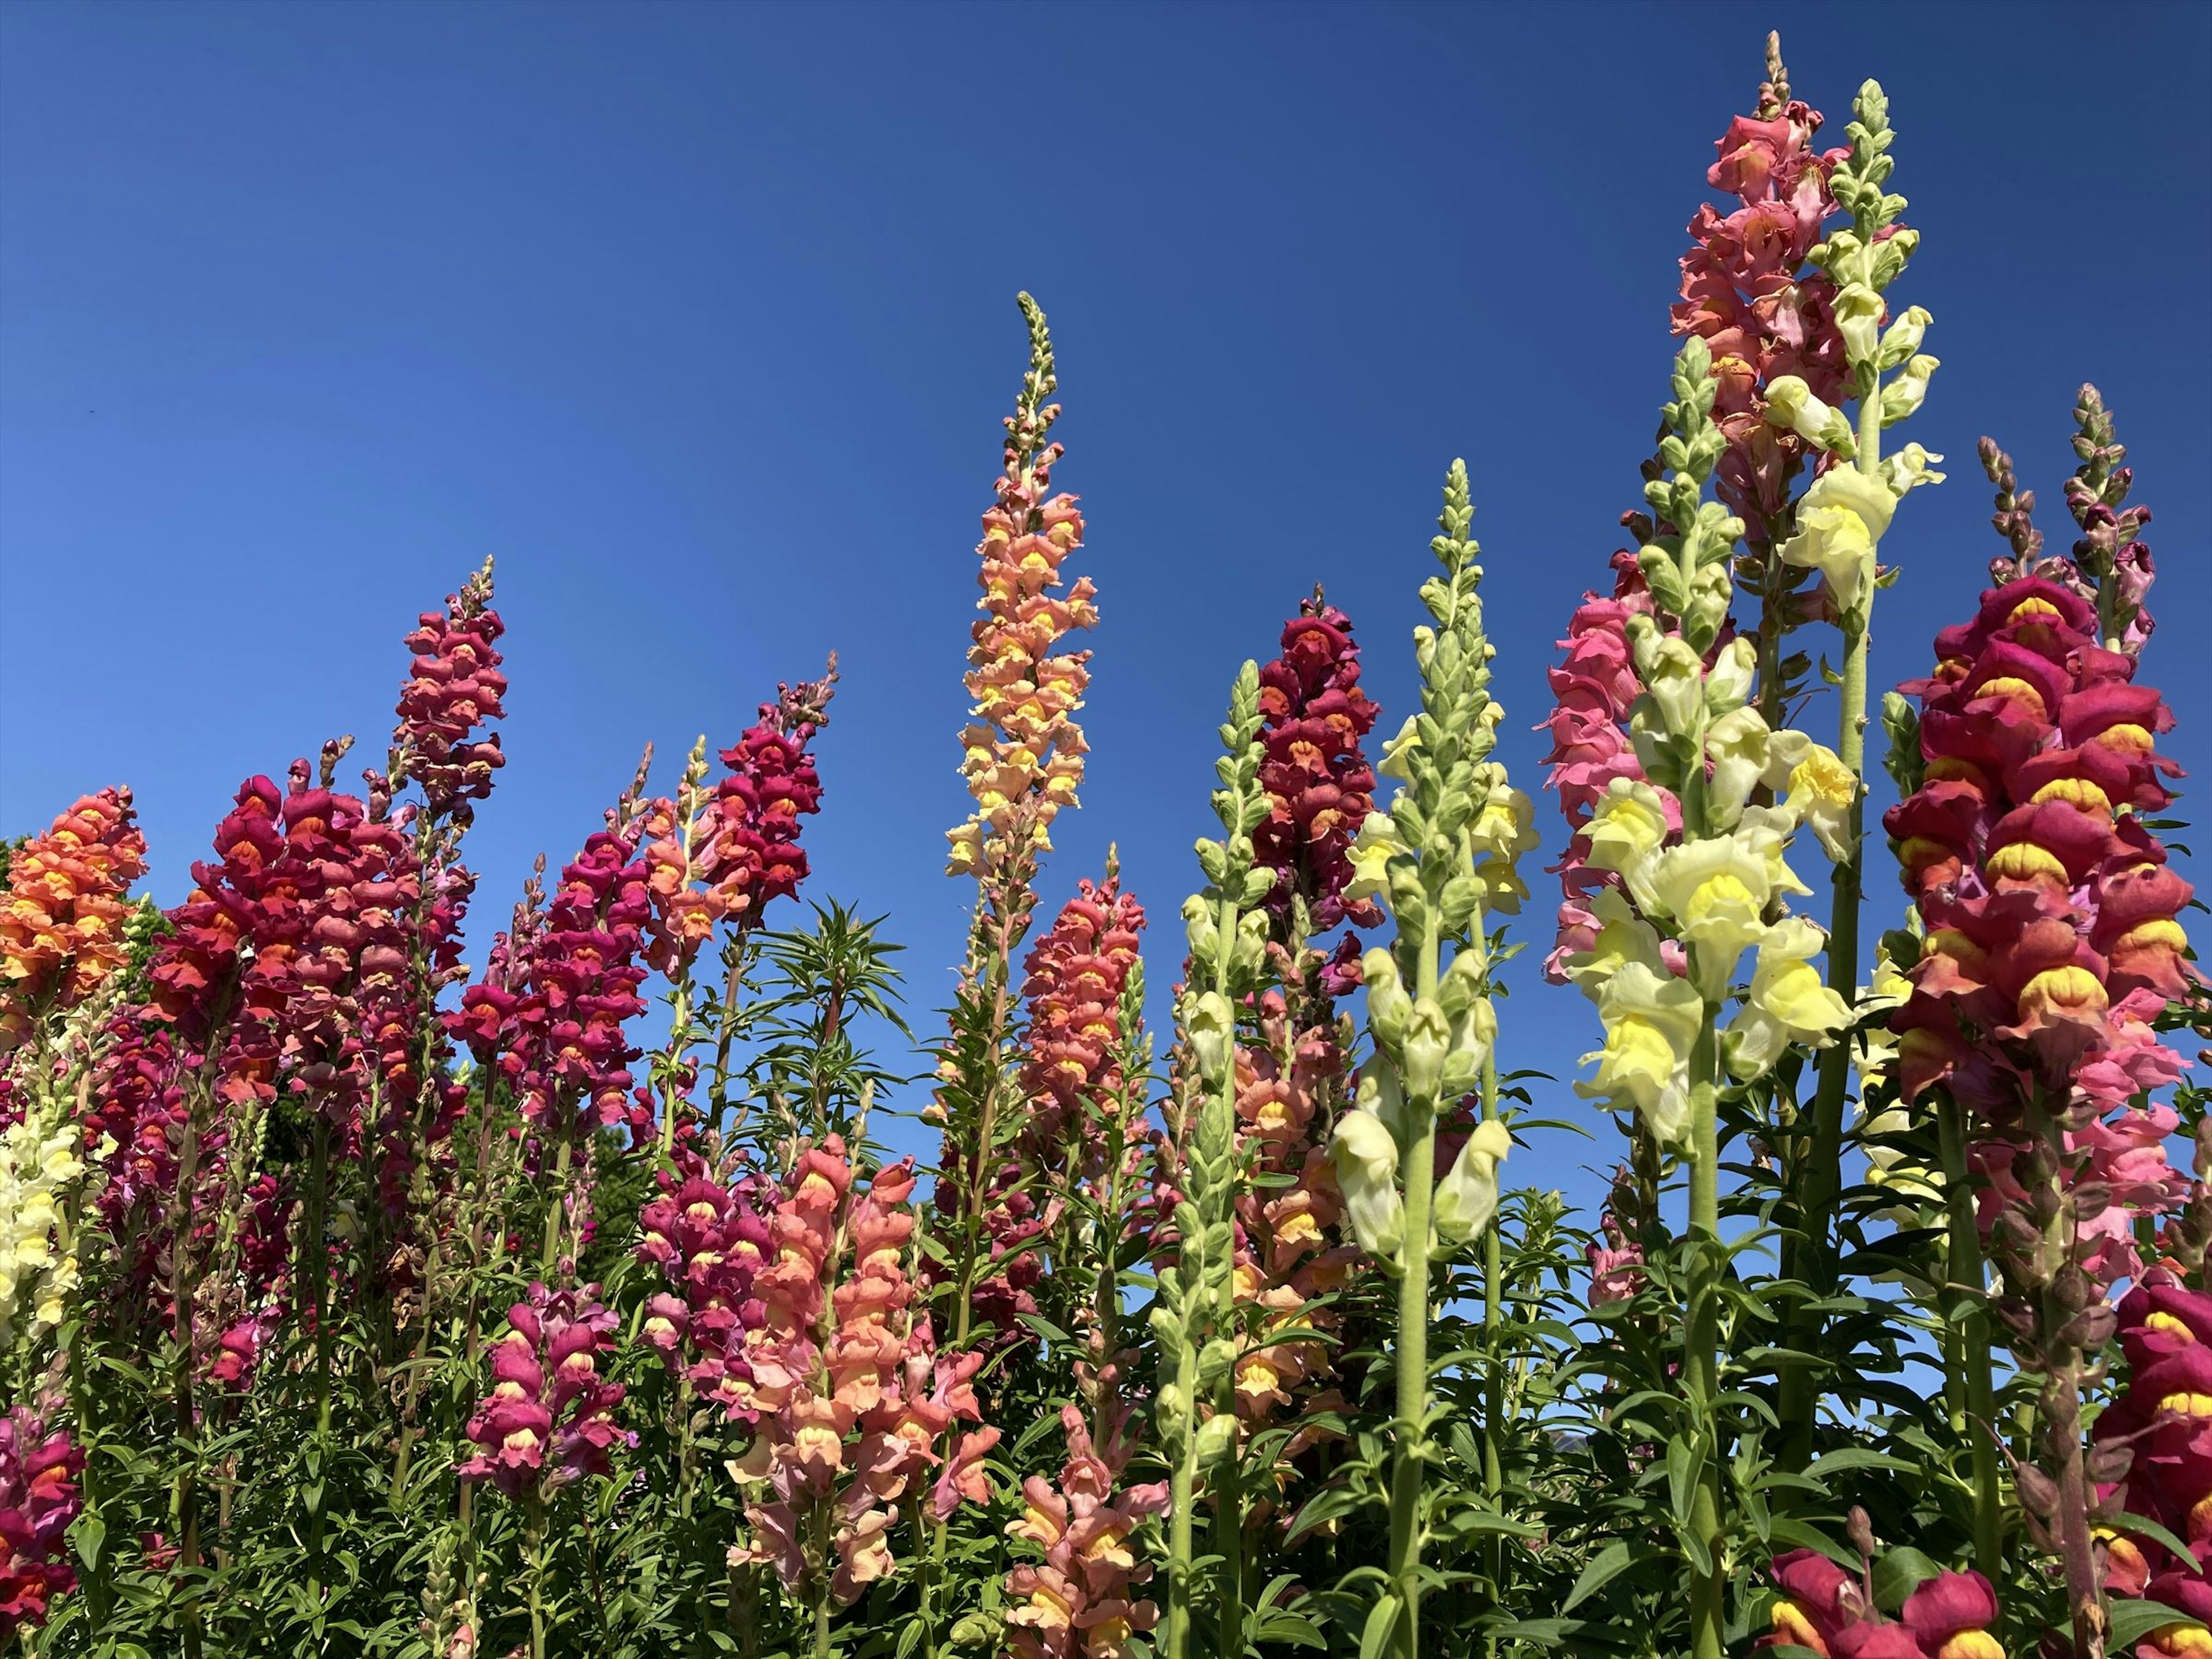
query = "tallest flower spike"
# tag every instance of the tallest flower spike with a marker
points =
(1442, 859)
(1838, 531)
(1025, 751)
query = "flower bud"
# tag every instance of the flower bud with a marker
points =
(1215, 1437)
(1365, 1155)
(1427, 1045)
(1466, 1198)
(1857, 310)
(1902, 337)
(1388, 1007)
(1728, 682)
(1211, 1026)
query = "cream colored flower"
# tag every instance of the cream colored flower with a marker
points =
(1467, 1199)
(1628, 826)
(1716, 891)
(1372, 849)
(1622, 937)
(1841, 516)
(1651, 1022)
(1366, 1158)
(1787, 1004)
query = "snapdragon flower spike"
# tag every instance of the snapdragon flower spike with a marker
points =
(1320, 787)
(39, 1501)
(1073, 979)
(2160, 1427)
(1596, 686)
(453, 687)
(849, 1393)
(1748, 290)
(1024, 749)
(2051, 913)
(1831, 1612)
(549, 1418)
(553, 1018)
(708, 1240)
(734, 853)
(62, 915)
(1079, 1601)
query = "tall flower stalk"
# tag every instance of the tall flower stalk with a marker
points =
(1695, 874)
(1838, 531)
(1194, 1318)
(1435, 857)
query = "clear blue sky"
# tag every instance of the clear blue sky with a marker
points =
(701, 319)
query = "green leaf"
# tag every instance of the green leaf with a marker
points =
(1608, 1564)
(1381, 1619)
(1898, 1574)
(1682, 1477)
(85, 1537)
(2133, 1620)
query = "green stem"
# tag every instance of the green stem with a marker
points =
(533, 1527)
(1493, 1391)
(553, 1216)
(1819, 1175)
(319, 1265)
(1417, 1169)
(1701, 1356)
(1967, 1321)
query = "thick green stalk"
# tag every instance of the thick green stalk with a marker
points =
(1821, 1173)
(1181, 1484)
(319, 1265)
(1493, 1389)
(1968, 1327)
(1227, 1482)
(1417, 1171)
(1701, 1356)
(533, 1527)
(553, 1216)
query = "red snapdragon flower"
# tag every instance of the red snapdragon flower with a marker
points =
(39, 1501)
(550, 1417)
(1832, 1612)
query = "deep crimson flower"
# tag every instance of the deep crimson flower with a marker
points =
(550, 1416)
(705, 1234)
(39, 1501)
(1313, 720)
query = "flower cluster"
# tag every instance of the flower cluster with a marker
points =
(1746, 292)
(1320, 787)
(1076, 1602)
(1831, 1612)
(452, 687)
(550, 1417)
(1291, 1248)
(849, 1393)
(38, 1163)
(731, 854)
(38, 1500)
(1594, 687)
(708, 1240)
(1025, 751)
(1658, 952)
(554, 1027)
(1074, 978)
(2053, 938)
(2161, 1425)
(61, 918)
